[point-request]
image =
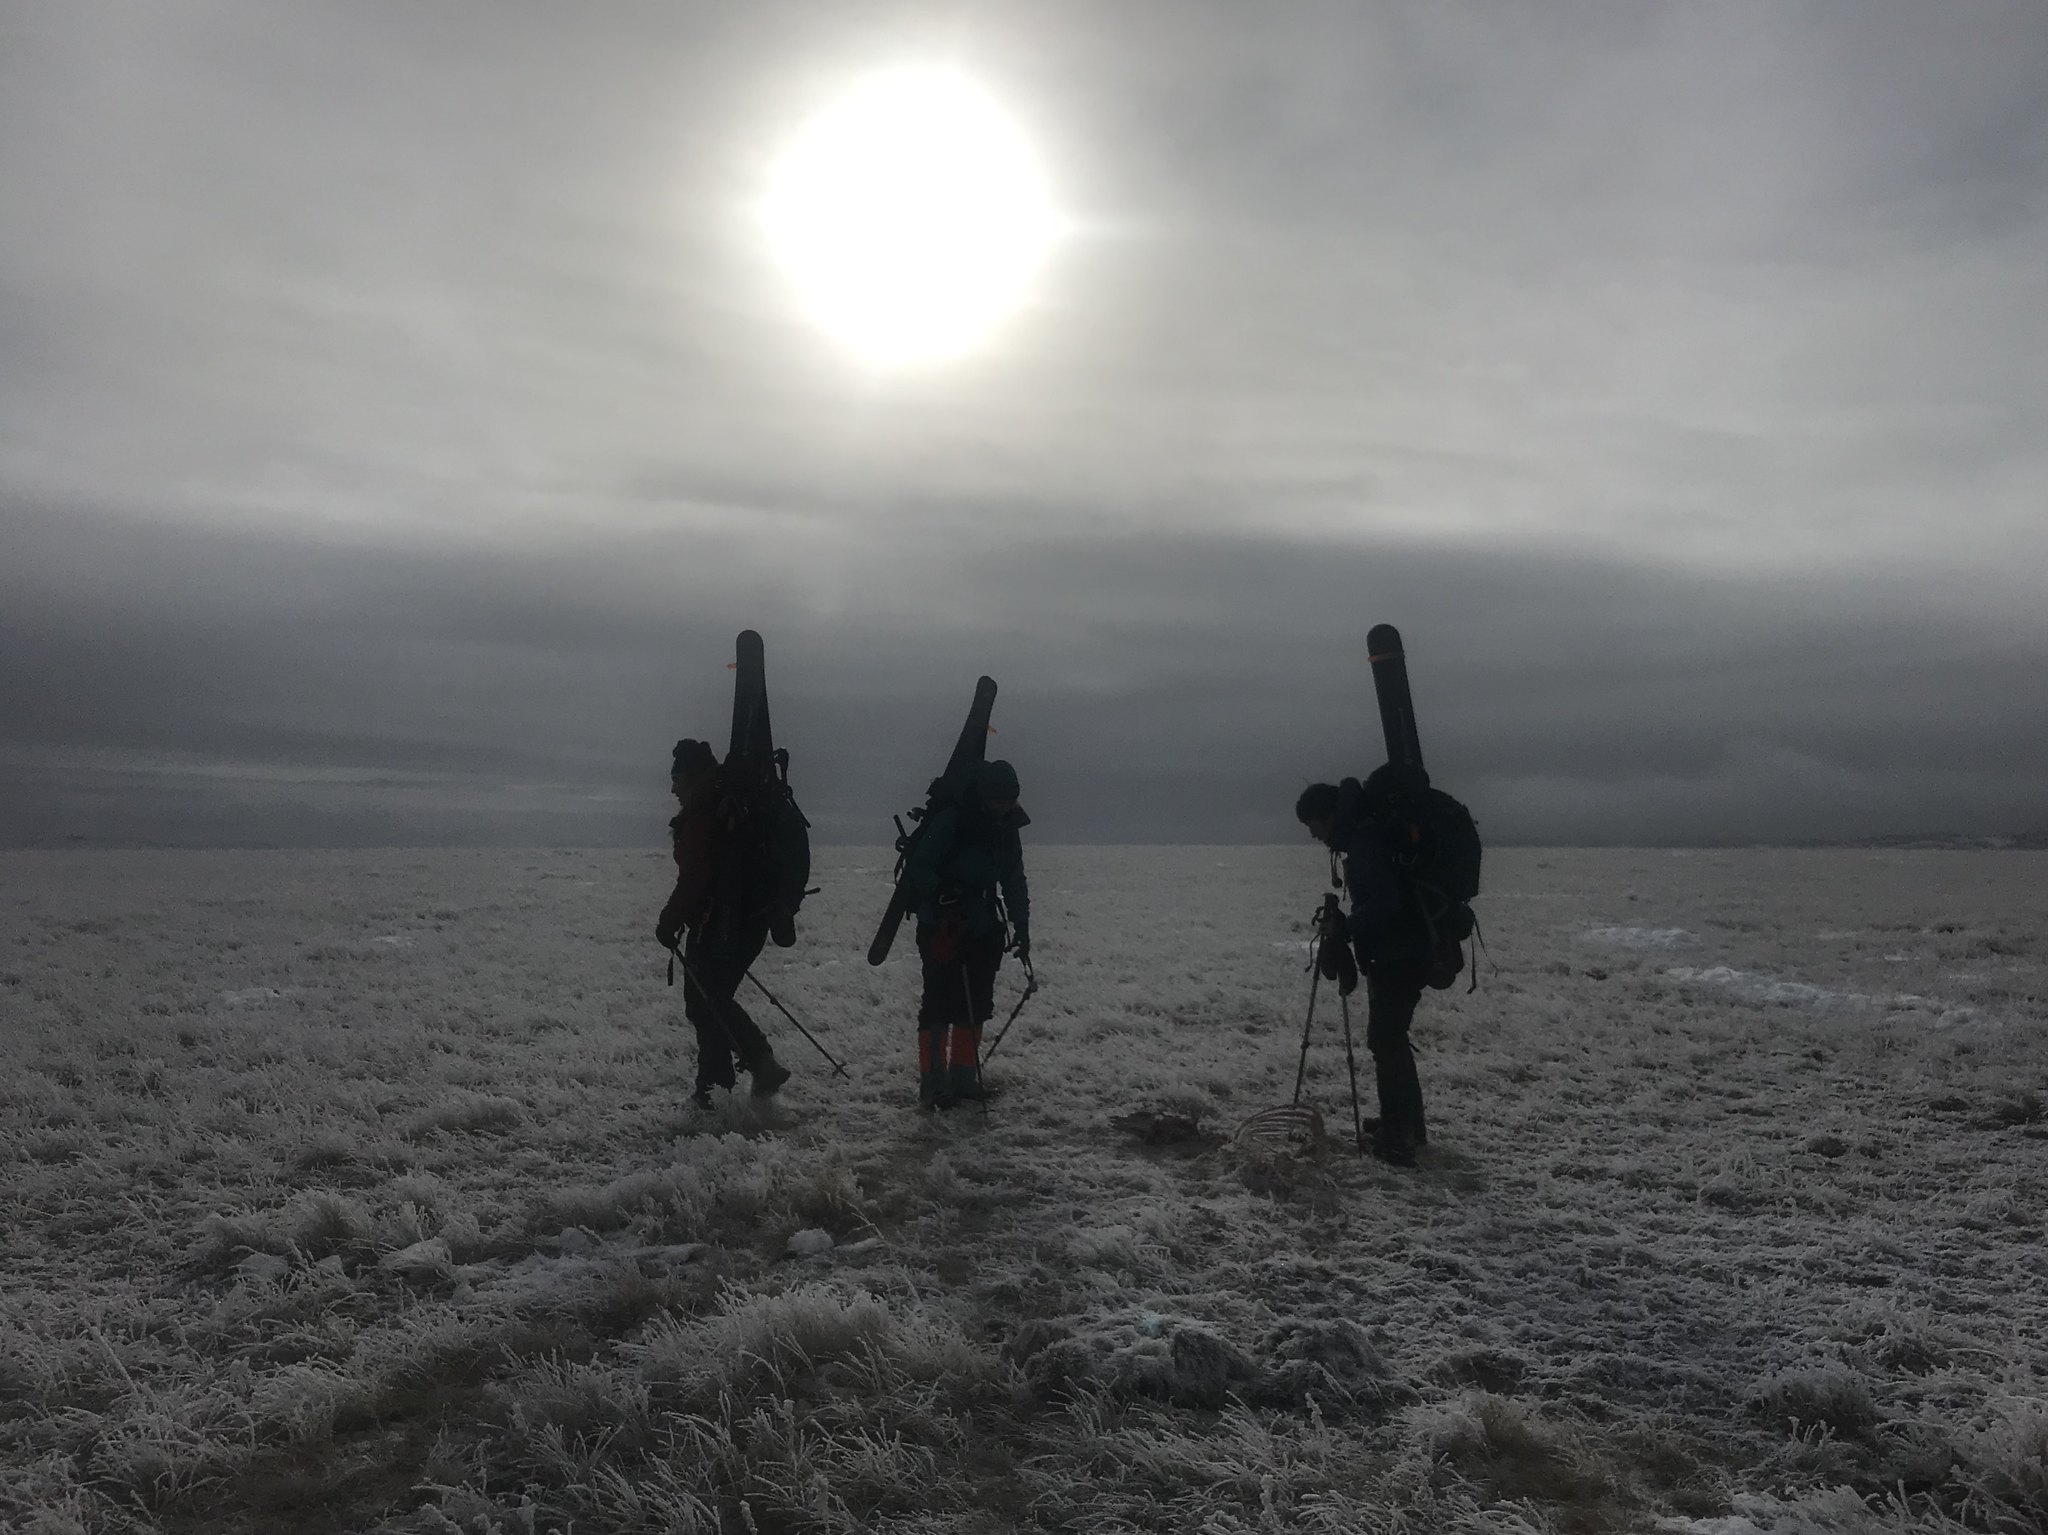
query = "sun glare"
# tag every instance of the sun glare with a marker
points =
(910, 216)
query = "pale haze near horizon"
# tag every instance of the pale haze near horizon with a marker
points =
(399, 416)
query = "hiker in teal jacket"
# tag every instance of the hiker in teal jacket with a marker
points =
(967, 880)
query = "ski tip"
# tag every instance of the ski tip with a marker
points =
(748, 641)
(1382, 642)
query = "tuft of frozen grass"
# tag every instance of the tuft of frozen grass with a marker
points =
(464, 1113)
(1503, 1447)
(1332, 1361)
(1833, 1397)
(754, 1342)
(2004, 1465)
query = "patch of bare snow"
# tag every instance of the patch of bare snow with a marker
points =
(1751, 986)
(425, 1259)
(1641, 937)
(251, 996)
(1831, 1511)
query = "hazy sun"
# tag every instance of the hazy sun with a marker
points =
(910, 215)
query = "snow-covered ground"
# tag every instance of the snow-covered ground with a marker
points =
(355, 1191)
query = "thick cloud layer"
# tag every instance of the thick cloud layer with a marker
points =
(274, 688)
(398, 418)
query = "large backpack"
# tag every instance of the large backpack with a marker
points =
(1435, 843)
(764, 845)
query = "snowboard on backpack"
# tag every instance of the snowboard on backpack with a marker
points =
(968, 754)
(759, 813)
(1435, 835)
(1390, 685)
(752, 741)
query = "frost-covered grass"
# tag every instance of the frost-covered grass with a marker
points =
(356, 1192)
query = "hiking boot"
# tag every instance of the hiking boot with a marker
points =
(932, 1091)
(1396, 1150)
(965, 1085)
(768, 1074)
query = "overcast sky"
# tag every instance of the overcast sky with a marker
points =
(399, 416)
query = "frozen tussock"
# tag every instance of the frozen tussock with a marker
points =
(1829, 1396)
(1191, 1368)
(464, 1113)
(1511, 1452)
(1331, 1360)
(313, 1226)
(1186, 1364)
(323, 1226)
(714, 1185)
(2004, 1460)
(759, 1344)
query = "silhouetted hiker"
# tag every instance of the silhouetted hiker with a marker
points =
(1394, 942)
(722, 930)
(966, 876)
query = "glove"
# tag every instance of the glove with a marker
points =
(1329, 918)
(1337, 963)
(668, 937)
(1334, 958)
(1023, 948)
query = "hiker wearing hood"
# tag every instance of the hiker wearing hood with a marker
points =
(966, 878)
(1389, 937)
(722, 934)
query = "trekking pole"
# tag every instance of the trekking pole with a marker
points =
(1351, 1065)
(716, 1008)
(776, 1002)
(967, 1027)
(1315, 976)
(1301, 1071)
(1030, 990)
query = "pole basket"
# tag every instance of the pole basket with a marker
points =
(1291, 1129)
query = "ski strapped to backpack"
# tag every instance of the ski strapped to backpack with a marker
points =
(765, 834)
(947, 789)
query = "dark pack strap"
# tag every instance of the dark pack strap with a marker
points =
(1478, 948)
